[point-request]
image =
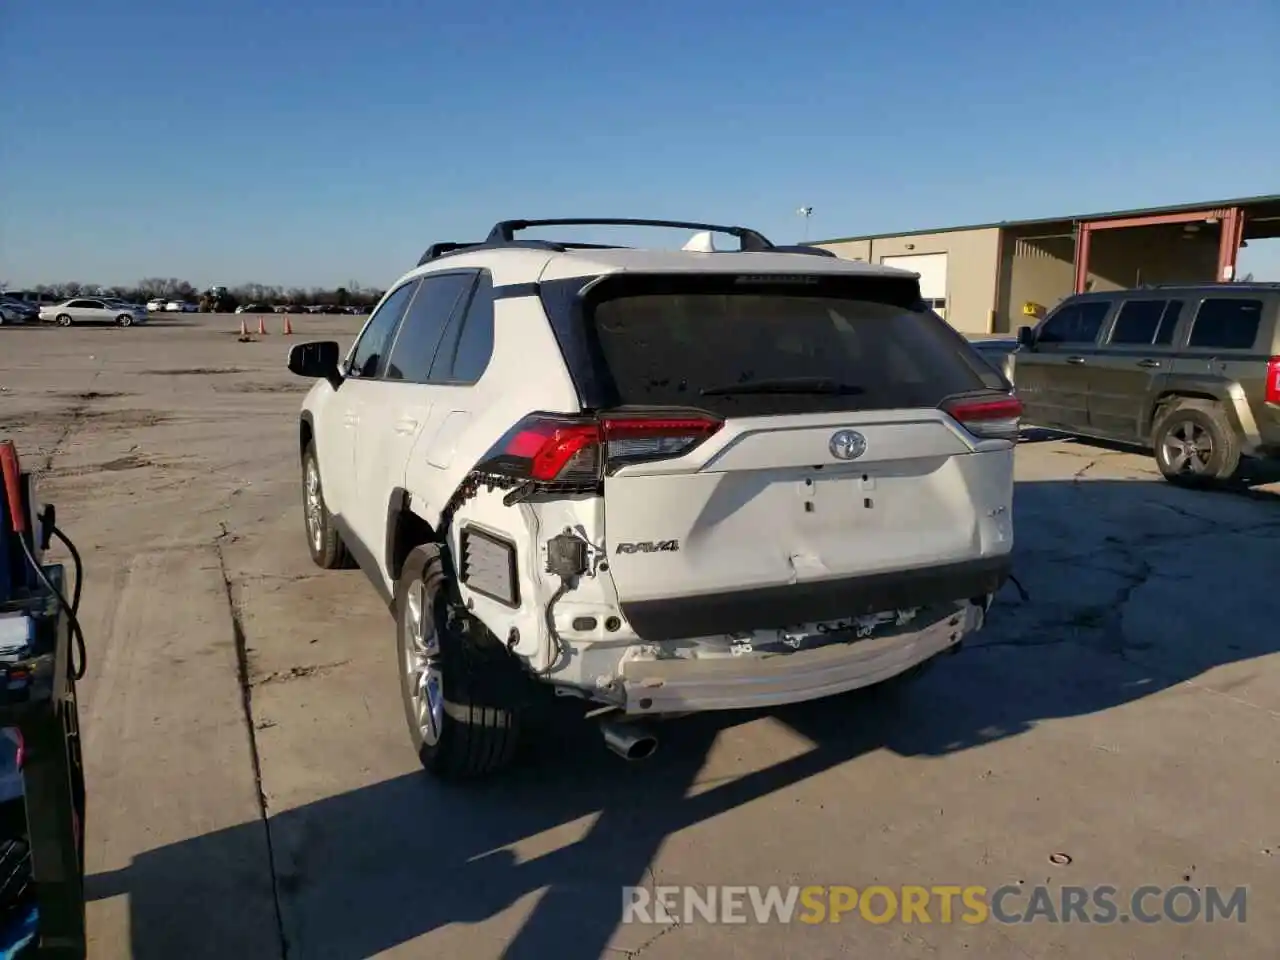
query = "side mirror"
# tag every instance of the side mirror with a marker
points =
(316, 360)
(1026, 337)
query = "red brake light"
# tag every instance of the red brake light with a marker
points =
(550, 445)
(548, 449)
(1272, 393)
(989, 418)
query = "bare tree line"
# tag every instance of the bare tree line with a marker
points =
(173, 288)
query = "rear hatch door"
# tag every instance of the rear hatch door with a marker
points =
(803, 437)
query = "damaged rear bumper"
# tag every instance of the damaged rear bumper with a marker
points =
(675, 685)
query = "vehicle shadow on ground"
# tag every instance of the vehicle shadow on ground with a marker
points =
(1095, 621)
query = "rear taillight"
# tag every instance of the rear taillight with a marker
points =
(640, 439)
(1272, 393)
(987, 417)
(562, 450)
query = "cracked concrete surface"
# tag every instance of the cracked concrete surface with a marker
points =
(253, 794)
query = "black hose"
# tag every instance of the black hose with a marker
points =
(75, 558)
(551, 624)
(77, 670)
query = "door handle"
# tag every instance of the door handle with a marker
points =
(1075, 360)
(406, 426)
(1148, 363)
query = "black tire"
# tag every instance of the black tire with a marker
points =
(124, 320)
(63, 320)
(325, 545)
(470, 727)
(1195, 444)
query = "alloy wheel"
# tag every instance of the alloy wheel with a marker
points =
(1187, 448)
(314, 506)
(422, 666)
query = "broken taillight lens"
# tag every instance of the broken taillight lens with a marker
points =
(563, 450)
(991, 418)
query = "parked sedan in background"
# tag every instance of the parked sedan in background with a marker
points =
(93, 310)
(180, 306)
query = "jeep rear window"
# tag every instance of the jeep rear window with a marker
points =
(877, 349)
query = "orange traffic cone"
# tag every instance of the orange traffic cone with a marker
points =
(288, 326)
(262, 326)
(244, 330)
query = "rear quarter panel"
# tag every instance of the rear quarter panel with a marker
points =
(525, 374)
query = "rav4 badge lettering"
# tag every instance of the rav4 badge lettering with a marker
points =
(649, 546)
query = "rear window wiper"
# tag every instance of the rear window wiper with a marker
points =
(797, 385)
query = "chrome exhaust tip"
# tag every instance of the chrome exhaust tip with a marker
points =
(628, 740)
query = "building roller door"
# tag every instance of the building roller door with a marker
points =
(932, 268)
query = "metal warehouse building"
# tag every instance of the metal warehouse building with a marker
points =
(995, 277)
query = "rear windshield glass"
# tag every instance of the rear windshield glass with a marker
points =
(755, 354)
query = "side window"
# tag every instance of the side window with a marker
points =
(468, 343)
(1168, 322)
(78, 304)
(1075, 323)
(370, 351)
(1227, 323)
(1138, 321)
(415, 347)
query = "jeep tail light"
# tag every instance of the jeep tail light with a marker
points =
(573, 451)
(990, 418)
(1272, 393)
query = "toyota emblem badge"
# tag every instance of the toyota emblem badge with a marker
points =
(847, 445)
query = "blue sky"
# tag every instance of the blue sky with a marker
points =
(332, 140)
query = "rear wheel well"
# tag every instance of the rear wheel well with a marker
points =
(1171, 398)
(406, 530)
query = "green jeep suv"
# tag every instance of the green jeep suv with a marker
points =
(1191, 372)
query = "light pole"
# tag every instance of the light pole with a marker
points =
(805, 212)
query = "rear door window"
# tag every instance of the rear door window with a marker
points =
(741, 352)
(1227, 323)
(1146, 322)
(467, 345)
(1168, 322)
(439, 298)
(1075, 323)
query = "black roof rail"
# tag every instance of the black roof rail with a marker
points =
(502, 236)
(440, 249)
(504, 231)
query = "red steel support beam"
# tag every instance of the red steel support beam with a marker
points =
(1083, 233)
(1229, 243)
(1231, 219)
(1158, 219)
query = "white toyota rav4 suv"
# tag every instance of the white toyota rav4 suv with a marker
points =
(663, 482)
